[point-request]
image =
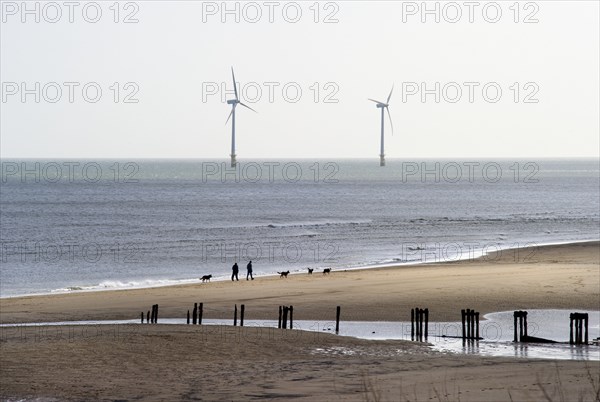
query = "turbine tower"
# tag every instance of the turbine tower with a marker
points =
(234, 103)
(384, 106)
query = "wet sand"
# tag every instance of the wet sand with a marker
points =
(168, 362)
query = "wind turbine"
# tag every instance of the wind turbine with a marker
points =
(234, 103)
(383, 106)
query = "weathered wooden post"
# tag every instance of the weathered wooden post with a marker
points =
(148, 317)
(468, 323)
(421, 324)
(472, 332)
(477, 325)
(242, 309)
(188, 318)
(280, 316)
(412, 324)
(156, 315)
(571, 328)
(515, 339)
(521, 328)
(142, 317)
(235, 315)
(586, 318)
(200, 311)
(285, 317)
(152, 314)
(195, 314)
(291, 317)
(337, 319)
(464, 332)
(426, 323)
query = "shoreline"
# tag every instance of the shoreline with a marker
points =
(474, 255)
(222, 362)
(562, 277)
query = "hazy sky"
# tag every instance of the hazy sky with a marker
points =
(176, 59)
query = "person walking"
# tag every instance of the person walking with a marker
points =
(235, 269)
(249, 268)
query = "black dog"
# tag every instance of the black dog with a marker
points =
(326, 271)
(310, 271)
(206, 278)
(283, 274)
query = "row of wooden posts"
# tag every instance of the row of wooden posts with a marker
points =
(419, 319)
(581, 323)
(151, 317)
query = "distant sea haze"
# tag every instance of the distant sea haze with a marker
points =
(71, 225)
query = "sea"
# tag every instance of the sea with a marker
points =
(70, 225)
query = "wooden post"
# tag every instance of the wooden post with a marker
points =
(142, 317)
(464, 332)
(571, 329)
(235, 315)
(195, 314)
(148, 317)
(472, 324)
(156, 315)
(337, 319)
(426, 323)
(153, 314)
(521, 329)
(243, 308)
(515, 326)
(469, 315)
(188, 318)
(412, 324)
(477, 325)
(280, 316)
(585, 317)
(200, 311)
(291, 317)
(285, 316)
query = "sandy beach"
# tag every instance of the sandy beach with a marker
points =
(562, 276)
(167, 362)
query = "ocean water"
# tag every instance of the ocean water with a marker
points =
(71, 225)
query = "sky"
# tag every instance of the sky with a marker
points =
(150, 79)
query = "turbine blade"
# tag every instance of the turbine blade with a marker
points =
(373, 100)
(390, 116)
(229, 117)
(234, 84)
(246, 106)
(390, 95)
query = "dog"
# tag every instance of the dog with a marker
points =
(206, 278)
(310, 271)
(326, 271)
(283, 274)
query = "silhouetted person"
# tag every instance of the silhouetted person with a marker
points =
(235, 269)
(249, 268)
